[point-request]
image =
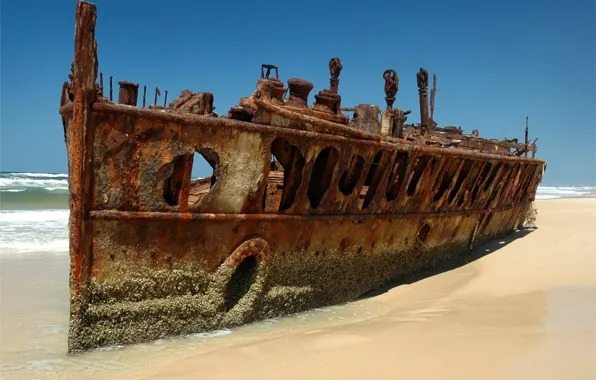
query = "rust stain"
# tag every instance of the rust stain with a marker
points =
(306, 206)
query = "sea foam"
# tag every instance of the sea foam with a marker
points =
(18, 182)
(555, 192)
(33, 232)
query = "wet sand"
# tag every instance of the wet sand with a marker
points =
(525, 309)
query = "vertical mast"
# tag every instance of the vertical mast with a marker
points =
(526, 139)
(433, 93)
(84, 75)
(79, 137)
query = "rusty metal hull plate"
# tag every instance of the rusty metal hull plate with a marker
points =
(142, 286)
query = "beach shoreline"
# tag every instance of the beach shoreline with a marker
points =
(521, 309)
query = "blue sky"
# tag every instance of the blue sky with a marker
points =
(496, 61)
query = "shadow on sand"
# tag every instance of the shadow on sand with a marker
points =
(463, 259)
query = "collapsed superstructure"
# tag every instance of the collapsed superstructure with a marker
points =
(306, 206)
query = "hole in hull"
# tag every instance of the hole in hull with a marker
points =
(288, 162)
(351, 176)
(418, 170)
(173, 184)
(240, 282)
(478, 182)
(463, 174)
(204, 169)
(375, 173)
(322, 172)
(398, 175)
(446, 179)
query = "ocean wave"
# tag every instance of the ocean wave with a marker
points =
(556, 192)
(37, 175)
(56, 188)
(33, 190)
(7, 183)
(30, 216)
(25, 232)
(8, 177)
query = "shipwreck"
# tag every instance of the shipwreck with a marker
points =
(308, 205)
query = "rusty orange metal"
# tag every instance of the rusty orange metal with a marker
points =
(306, 206)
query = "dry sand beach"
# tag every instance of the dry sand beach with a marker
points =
(524, 309)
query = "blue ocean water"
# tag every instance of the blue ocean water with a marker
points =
(33, 213)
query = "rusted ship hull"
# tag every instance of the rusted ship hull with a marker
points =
(151, 256)
(138, 293)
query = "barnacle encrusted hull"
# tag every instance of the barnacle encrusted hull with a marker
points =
(306, 207)
(145, 286)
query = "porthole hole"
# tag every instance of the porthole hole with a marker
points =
(321, 175)
(240, 282)
(417, 174)
(375, 173)
(285, 175)
(350, 177)
(204, 170)
(173, 183)
(398, 174)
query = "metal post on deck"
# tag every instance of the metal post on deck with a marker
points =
(422, 81)
(526, 141)
(157, 93)
(433, 93)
